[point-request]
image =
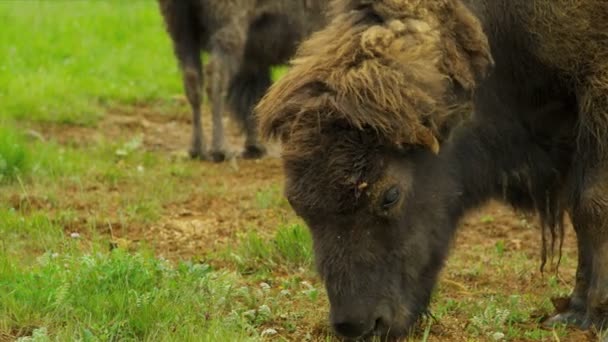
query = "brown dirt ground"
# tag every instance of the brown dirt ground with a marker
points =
(205, 222)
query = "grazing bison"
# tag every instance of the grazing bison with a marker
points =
(244, 38)
(382, 159)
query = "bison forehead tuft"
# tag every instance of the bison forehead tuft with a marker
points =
(405, 69)
(336, 178)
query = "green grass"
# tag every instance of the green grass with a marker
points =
(290, 248)
(27, 236)
(65, 61)
(66, 290)
(59, 282)
(62, 61)
(270, 197)
(119, 296)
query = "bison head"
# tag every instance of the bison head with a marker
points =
(380, 228)
(361, 116)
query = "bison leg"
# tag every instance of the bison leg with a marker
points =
(220, 68)
(246, 89)
(590, 212)
(227, 55)
(576, 313)
(591, 216)
(182, 24)
(193, 77)
(543, 179)
(188, 54)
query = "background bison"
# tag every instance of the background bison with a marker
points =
(371, 99)
(244, 39)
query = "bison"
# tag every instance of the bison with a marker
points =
(401, 116)
(244, 39)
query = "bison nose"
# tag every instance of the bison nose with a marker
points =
(351, 326)
(350, 329)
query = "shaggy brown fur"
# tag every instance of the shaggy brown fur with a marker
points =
(401, 76)
(572, 36)
(244, 38)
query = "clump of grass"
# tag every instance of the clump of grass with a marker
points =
(293, 244)
(491, 320)
(270, 197)
(253, 247)
(119, 296)
(290, 247)
(23, 236)
(503, 317)
(14, 155)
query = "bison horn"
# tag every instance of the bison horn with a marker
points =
(427, 138)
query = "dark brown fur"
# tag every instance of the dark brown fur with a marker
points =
(387, 77)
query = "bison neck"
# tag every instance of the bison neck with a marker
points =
(519, 145)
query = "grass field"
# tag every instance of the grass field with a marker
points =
(109, 234)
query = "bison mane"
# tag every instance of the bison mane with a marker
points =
(403, 70)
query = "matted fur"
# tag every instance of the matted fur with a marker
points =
(572, 37)
(579, 31)
(394, 67)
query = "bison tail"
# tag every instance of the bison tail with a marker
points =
(246, 88)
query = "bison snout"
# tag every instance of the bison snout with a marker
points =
(352, 326)
(351, 329)
(353, 323)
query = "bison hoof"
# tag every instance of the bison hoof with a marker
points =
(199, 154)
(218, 156)
(571, 317)
(253, 152)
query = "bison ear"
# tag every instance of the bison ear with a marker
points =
(468, 57)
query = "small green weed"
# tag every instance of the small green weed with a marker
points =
(278, 72)
(291, 247)
(269, 198)
(33, 234)
(500, 247)
(14, 155)
(487, 219)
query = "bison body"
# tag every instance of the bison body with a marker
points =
(244, 39)
(382, 160)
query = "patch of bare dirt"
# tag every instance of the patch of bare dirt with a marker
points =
(160, 131)
(206, 222)
(209, 218)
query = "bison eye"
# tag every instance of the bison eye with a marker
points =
(391, 196)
